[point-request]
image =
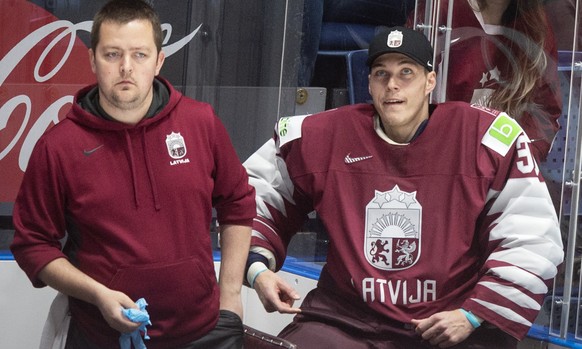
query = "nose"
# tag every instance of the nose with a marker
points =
(391, 84)
(126, 66)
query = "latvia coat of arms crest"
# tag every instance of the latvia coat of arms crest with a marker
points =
(176, 145)
(394, 39)
(393, 227)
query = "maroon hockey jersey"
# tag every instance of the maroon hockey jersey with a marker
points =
(459, 217)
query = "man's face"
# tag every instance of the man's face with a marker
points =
(125, 63)
(399, 88)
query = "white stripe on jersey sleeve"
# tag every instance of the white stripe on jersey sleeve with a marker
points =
(504, 312)
(526, 259)
(268, 174)
(527, 226)
(521, 278)
(513, 294)
(528, 188)
(258, 234)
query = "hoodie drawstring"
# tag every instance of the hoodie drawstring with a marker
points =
(150, 172)
(132, 167)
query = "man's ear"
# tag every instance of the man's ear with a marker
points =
(160, 61)
(92, 59)
(430, 82)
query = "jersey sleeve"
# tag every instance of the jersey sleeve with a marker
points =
(521, 234)
(281, 207)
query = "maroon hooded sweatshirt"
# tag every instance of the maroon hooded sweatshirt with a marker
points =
(135, 202)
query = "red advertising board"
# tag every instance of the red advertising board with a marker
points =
(43, 64)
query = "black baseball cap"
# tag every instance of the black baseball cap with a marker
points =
(402, 40)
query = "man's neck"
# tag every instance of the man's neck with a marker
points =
(402, 137)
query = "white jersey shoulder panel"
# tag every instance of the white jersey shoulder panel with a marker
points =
(289, 128)
(502, 134)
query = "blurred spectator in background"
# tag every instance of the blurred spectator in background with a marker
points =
(503, 55)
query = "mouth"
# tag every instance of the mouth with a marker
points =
(125, 84)
(393, 101)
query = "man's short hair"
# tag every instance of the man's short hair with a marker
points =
(125, 11)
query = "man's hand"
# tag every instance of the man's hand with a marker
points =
(444, 329)
(110, 303)
(61, 275)
(275, 293)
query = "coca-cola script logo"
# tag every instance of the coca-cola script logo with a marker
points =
(43, 65)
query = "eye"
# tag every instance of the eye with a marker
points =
(112, 55)
(379, 74)
(140, 55)
(407, 71)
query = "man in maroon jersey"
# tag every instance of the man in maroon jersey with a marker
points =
(442, 232)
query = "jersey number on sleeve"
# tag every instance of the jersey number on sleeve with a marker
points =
(526, 163)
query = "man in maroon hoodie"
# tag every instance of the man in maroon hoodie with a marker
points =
(130, 177)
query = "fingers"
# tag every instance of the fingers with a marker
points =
(127, 303)
(122, 324)
(111, 303)
(444, 329)
(286, 308)
(287, 297)
(118, 321)
(275, 299)
(288, 293)
(434, 335)
(276, 294)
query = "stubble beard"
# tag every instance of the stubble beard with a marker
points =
(120, 102)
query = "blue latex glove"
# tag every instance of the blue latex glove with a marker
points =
(135, 315)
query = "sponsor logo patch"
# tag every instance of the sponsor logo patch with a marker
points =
(502, 134)
(289, 128)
